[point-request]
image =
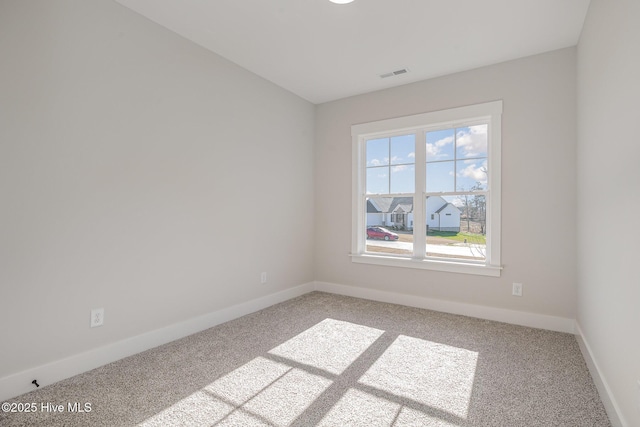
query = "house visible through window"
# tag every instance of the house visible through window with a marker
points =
(432, 182)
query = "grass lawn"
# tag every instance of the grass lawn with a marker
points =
(459, 237)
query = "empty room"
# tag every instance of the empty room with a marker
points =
(319, 213)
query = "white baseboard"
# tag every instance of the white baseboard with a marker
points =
(534, 320)
(20, 383)
(610, 404)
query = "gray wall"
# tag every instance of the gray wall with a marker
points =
(538, 188)
(139, 173)
(609, 197)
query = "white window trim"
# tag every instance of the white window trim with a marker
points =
(490, 112)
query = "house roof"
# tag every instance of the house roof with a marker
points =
(405, 202)
(378, 205)
(393, 204)
(443, 207)
(404, 207)
(389, 204)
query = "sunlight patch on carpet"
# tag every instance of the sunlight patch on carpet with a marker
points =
(239, 386)
(197, 409)
(267, 392)
(435, 375)
(410, 418)
(283, 401)
(357, 408)
(239, 418)
(261, 392)
(331, 345)
(412, 373)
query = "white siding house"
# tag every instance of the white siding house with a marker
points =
(378, 212)
(442, 215)
(398, 212)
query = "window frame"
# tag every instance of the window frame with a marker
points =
(490, 113)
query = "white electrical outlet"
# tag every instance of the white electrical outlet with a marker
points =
(263, 277)
(97, 317)
(517, 289)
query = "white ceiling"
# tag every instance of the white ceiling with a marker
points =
(323, 51)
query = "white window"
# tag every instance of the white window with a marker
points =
(442, 171)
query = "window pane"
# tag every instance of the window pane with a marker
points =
(471, 175)
(456, 227)
(378, 180)
(440, 145)
(403, 149)
(471, 142)
(403, 179)
(378, 152)
(440, 177)
(449, 172)
(389, 225)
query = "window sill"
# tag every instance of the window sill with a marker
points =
(429, 264)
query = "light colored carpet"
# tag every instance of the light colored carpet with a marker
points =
(329, 360)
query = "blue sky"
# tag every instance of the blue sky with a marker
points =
(456, 161)
(391, 165)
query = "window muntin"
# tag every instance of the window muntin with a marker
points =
(390, 170)
(453, 157)
(456, 164)
(390, 165)
(389, 223)
(458, 230)
(457, 159)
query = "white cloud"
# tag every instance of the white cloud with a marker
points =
(435, 149)
(432, 150)
(444, 141)
(375, 162)
(412, 155)
(475, 171)
(474, 142)
(399, 168)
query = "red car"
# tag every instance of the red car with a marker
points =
(380, 233)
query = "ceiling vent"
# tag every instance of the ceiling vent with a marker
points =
(394, 73)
